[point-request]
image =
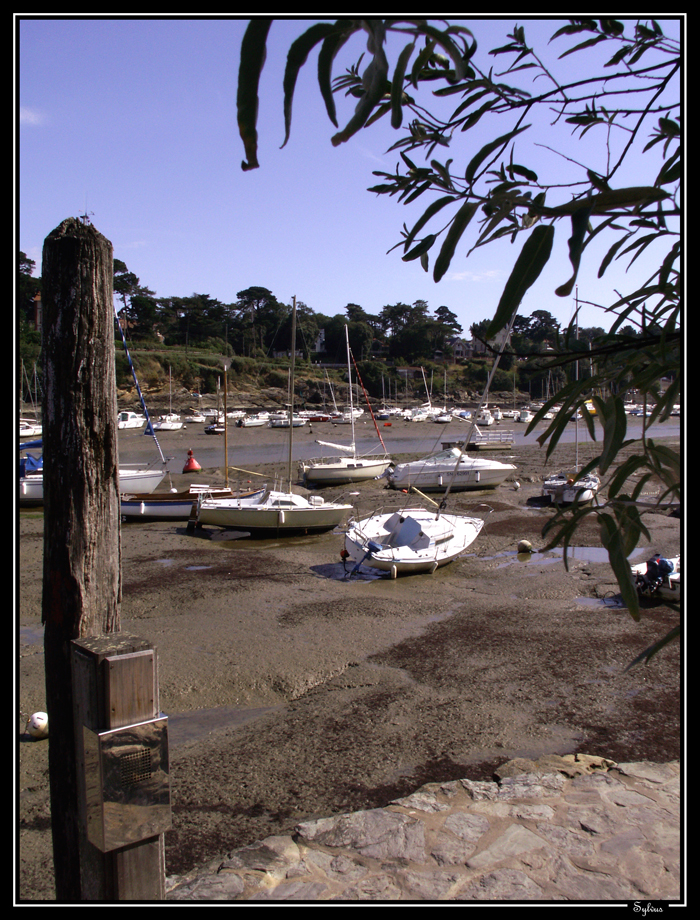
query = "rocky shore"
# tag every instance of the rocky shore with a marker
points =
(576, 828)
(296, 695)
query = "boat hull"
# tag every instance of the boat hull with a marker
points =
(435, 476)
(31, 488)
(167, 506)
(272, 514)
(411, 541)
(343, 471)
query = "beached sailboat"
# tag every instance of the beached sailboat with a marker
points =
(413, 540)
(409, 541)
(171, 421)
(337, 470)
(274, 512)
(565, 488)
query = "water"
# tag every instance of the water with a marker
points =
(575, 553)
(193, 726)
(252, 446)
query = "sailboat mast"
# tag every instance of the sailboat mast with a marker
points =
(352, 408)
(576, 420)
(291, 393)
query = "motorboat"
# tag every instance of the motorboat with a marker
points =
(314, 415)
(484, 417)
(525, 415)
(341, 469)
(130, 420)
(434, 473)
(409, 541)
(284, 421)
(258, 420)
(195, 418)
(131, 479)
(565, 488)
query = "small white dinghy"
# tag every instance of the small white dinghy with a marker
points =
(409, 541)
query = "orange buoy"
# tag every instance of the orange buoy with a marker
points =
(191, 466)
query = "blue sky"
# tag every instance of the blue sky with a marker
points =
(134, 121)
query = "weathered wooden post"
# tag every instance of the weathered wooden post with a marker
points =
(82, 548)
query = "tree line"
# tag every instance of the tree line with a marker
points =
(258, 325)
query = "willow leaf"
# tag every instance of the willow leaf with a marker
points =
(528, 266)
(488, 149)
(649, 652)
(296, 58)
(614, 431)
(454, 234)
(612, 541)
(420, 248)
(329, 49)
(376, 77)
(253, 52)
(397, 86)
(579, 225)
(610, 255)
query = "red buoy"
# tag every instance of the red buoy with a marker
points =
(191, 466)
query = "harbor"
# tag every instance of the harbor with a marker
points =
(295, 692)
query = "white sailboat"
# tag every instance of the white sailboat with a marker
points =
(171, 421)
(565, 488)
(338, 470)
(274, 512)
(413, 540)
(410, 540)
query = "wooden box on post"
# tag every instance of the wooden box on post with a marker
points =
(115, 686)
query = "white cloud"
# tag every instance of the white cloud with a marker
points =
(492, 275)
(31, 116)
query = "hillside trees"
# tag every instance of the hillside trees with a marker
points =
(475, 152)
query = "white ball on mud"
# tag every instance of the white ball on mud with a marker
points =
(38, 725)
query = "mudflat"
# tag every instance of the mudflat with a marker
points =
(295, 692)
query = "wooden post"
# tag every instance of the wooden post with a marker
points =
(115, 684)
(82, 549)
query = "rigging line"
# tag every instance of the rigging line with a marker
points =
(149, 427)
(359, 380)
